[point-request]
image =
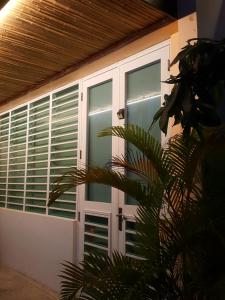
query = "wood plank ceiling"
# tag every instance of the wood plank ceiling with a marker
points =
(3, 3)
(44, 39)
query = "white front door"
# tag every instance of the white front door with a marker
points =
(98, 203)
(141, 94)
(106, 215)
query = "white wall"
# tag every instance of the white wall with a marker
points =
(36, 245)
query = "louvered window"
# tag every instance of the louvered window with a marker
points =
(4, 137)
(38, 142)
(96, 234)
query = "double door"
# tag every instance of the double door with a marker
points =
(106, 215)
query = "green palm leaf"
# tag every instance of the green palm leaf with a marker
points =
(175, 223)
(97, 175)
(101, 277)
(144, 142)
(137, 164)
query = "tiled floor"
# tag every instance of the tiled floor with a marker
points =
(16, 286)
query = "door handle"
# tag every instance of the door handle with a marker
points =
(121, 218)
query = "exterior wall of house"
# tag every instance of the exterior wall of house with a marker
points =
(35, 244)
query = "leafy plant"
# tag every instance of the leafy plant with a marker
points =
(197, 98)
(180, 193)
(180, 233)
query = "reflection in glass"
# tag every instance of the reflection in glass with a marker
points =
(99, 149)
(143, 97)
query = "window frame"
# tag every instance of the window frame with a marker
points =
(28, 105)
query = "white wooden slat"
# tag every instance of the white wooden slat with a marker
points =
(19, 120)
(65, 111)
(73, 101)
(39, 119)
(19, 138)
(96, 235)
(61, 209)
(70, 118)
(97, 225)
(76, 93)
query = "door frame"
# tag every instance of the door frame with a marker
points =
(93, 207)
(161, 55)
(116, 72)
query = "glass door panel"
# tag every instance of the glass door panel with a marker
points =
(97, 205)
(142, 89)
(106, 216)
(143, 99)
(99, 149)
(96, 233)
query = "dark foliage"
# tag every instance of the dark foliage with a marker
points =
(180, 223)
(197, 98)
(180, 192)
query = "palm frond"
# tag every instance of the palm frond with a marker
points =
(101, 278)
(105, 176)
(137, 164)
(144, 142)
(176, 223)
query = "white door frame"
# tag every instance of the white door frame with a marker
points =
(93, 207)
(162, 55)
(117, 73)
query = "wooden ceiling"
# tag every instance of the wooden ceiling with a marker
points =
(43, 39)
(2, 3)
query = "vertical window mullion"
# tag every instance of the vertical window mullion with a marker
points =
(26, 157)
(49, 152)
(37, 156)
(63, 153)
(17, 143)
(7, 170)
(99, 150)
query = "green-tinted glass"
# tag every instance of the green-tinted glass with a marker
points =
(96, 220)
(65, 91)
(39, 102)
(96, 234)
(36, 187)
(66, 130)
(96, 230)
(14, 206)
(38, 202)
(62, 213)
(143, 95)
(41, 195)
(96, 240)
(4, 136)
(34, 209)
(143, 89)
(64, 205)
(99, 149)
